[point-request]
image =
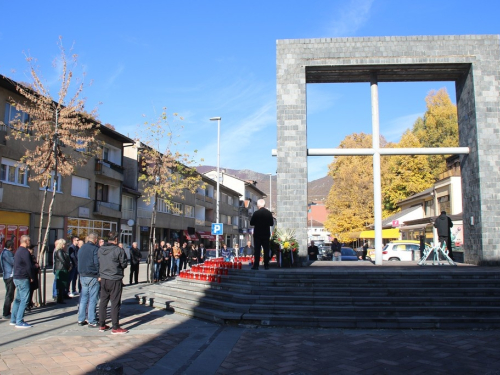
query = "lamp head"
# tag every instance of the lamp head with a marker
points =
(215, 119)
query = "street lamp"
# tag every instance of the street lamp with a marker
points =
(218, 182)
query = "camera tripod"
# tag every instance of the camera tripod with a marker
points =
(435, 253)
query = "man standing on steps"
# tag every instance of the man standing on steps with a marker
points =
(443, 225)
(262, 220)
(112, 262)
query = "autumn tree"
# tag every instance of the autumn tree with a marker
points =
(164, 175)
(405, 175)
(438, 128)
(57, 127)
(350, 201)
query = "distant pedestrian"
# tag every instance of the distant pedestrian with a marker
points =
(135, 260)
(88, 267)
(313, 251)
(262, 221)
(443, 224)
(62, 267)
(112, 263)
(237, 250)
(73, 274)
(184, 256)
(7, 264)
(163, 271)
(176, 260)
(23, 275)
(202, 252)
(336, 250)
(365, 250)
(248, 249)
(101, 242)
(226, 253)
(193, 255)
(157, 260)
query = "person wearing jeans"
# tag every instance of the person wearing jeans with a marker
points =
(88, 268)
(112, 262)
(23, 274)
(7, 263)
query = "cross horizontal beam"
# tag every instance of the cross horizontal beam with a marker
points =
(384, 151)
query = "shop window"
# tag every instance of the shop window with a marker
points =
(13, 173)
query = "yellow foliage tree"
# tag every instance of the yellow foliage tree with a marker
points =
(438, 128)
(406, 175)
(350, 200)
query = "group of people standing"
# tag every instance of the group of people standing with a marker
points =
(169, 260)
(101, 270)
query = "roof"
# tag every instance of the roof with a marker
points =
(247, 183)
(418, 195)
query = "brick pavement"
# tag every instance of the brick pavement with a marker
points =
(160, 342)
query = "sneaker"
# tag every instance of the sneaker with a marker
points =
(118, 331)
(23, 325)
(71, 295)
(84, 323)
(93, 325)
(103, 328)
(12, 323)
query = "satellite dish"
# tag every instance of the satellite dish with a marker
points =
(130, 222)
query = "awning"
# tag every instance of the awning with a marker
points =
(414, 227)
(207, 235)
(192, 237)
(386, 233)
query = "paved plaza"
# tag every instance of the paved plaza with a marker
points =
(160, 342)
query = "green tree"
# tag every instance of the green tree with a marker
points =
(438, 128)
(405, 175)
(164, 175)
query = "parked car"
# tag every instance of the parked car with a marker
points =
(348, 254)
(403, 250)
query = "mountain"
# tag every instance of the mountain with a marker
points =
(317, 190)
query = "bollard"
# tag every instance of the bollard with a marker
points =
(111, 368)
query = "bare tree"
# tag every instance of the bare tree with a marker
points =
(165, 175)
(62, 136)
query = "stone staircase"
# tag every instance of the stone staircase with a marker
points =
(399, 298)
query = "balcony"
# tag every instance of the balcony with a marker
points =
(107, 209)
(199, 221)
(109, 169)
(146, 214)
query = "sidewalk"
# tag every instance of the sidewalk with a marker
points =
(160, 342)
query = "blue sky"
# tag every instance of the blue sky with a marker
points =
(218, 58)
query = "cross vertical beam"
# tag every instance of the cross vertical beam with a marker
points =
(377, 190)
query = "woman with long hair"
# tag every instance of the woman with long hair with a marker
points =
(62, 267)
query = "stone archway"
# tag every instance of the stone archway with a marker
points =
(471, 61)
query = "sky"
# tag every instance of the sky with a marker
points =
(204, 59)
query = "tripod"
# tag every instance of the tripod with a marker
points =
(434, 253)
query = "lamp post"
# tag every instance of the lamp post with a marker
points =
(311, 212)
(218, 182)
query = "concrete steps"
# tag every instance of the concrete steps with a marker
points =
(443, 299)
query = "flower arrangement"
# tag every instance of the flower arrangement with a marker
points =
(284, 240)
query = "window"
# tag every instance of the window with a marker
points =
(101, 192)
(188, 211)
(162, 206)
(177, 208)
(112, 154)
(127, 207)
(79, 187)
(51, 183)
(230, 200)
(14, 116)
(428, 208)
(12, 173)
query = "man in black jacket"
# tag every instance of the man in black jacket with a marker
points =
(88, 267)
(73, 274)
(262, 220)
(112, 262)
(443, 225)
(135, 260)
(23, 275)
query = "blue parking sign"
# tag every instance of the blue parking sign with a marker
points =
(217, 229)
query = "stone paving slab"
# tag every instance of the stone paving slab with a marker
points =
(160, 342)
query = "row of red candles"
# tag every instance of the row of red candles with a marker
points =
(187, 274)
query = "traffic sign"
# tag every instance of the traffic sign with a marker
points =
(217, 229)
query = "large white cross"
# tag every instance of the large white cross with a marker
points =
(376, 152)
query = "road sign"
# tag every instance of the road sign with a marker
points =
(217, 229)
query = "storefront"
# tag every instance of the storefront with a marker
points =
(82, 227)
(12, 226)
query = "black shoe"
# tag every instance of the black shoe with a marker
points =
(266, 267)
(81, 324)
(255, 268)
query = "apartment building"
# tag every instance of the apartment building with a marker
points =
(89, 200)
